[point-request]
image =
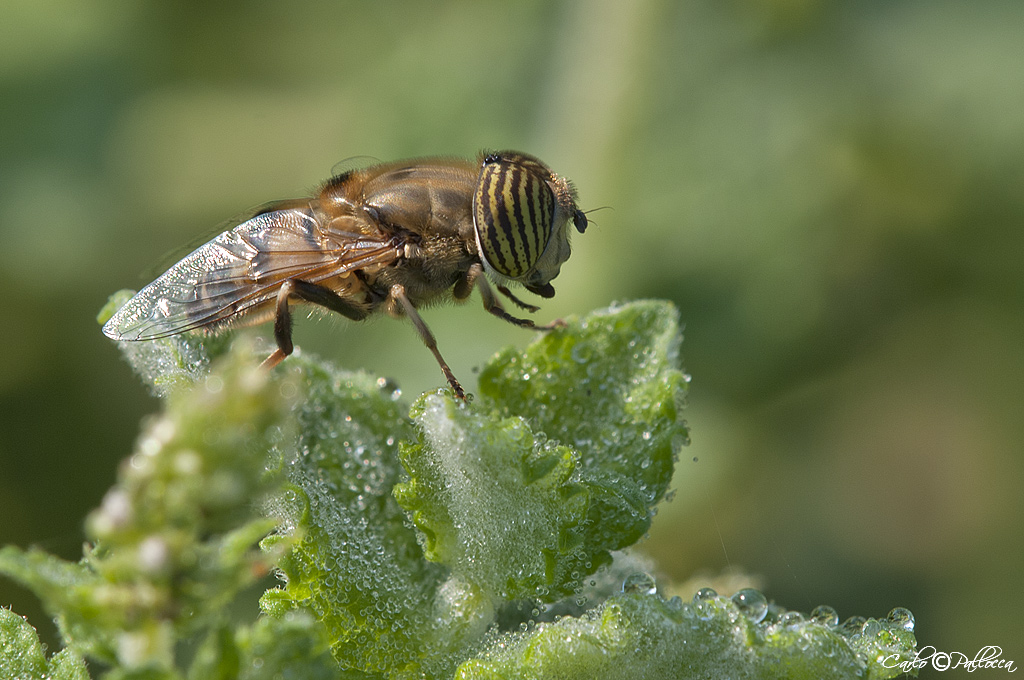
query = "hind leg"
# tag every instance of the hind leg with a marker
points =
(310, 292)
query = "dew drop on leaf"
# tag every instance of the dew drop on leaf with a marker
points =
(825, 615)
(639, 582)
(902, 618)
(751, 603)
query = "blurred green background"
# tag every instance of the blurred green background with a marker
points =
(829, 191)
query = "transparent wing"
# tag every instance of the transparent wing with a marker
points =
(241, 270)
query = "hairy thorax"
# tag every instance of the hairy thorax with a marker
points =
(427, 270)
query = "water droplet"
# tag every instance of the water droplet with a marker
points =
(851, 626)
(791, 619)
(704, 603)
(704, 594)
(639, 582)
(775, 612)
(871, 628)
(901, 617)
(825, 615)
(751, 604)
(646, 435)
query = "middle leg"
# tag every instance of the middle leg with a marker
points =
(398, 293)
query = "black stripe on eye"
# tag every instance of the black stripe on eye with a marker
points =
(541, 221)
(547, 217)
(546, 206)
(521, 245)
(497, 226)
(510, 178)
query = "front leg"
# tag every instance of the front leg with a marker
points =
(492, 305)
(522, 305)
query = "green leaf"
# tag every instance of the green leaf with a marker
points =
(293, 646)
(357, 566)
(501, 509)
(290, 646)
(610, 386)
(525, 494)
(176, 539)
(73, 594)
(22, 655)
(638, 635)
(413, 548)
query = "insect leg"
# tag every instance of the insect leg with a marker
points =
(282, 327)
(398, 293)
(491, 304)
(310, 292)
(325, 297)
(522, 305)
(463, 287)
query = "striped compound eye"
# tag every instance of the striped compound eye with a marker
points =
(514, 211)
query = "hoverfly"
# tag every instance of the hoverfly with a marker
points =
(389, 237)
